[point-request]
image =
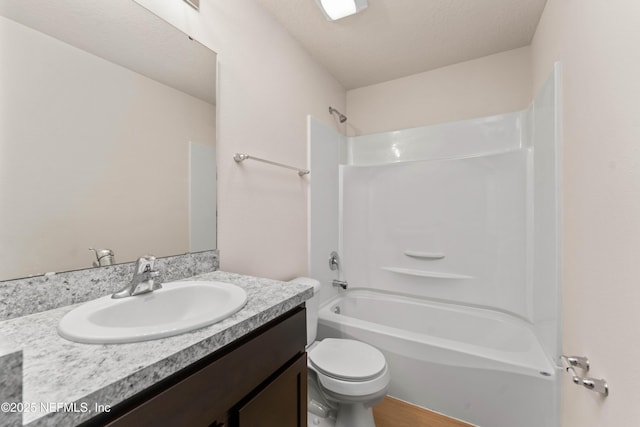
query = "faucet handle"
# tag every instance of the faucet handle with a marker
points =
(145, 279)
(334, 261)
(145, 264)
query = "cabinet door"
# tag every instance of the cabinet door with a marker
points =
(282, 403)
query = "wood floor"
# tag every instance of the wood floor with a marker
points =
(396, 413)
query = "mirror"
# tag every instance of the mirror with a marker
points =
(107, 136)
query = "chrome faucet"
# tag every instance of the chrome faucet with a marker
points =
(334, 264)
(145, 279)
(340, 284)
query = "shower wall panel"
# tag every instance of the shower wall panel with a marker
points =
(545, 139)
(327, 149)
(465, 212)
(449, 229)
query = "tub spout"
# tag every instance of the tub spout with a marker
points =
(340, 283)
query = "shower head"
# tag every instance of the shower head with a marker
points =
(341, 116)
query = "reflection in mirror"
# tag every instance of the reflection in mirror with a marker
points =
(107, 136)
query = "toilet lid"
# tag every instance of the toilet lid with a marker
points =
(347, 359)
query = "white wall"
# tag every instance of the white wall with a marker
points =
(487, 86)
(91, 154)
(267, 86)
(597, 43)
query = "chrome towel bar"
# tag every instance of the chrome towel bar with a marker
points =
(240, 157)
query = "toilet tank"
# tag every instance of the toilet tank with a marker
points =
(312, 307)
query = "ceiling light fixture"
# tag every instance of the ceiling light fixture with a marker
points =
(337, 9)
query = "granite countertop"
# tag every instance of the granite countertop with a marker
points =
(58, 372)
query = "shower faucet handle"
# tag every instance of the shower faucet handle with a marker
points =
(334, 261)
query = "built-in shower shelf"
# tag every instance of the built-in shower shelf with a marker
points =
(423, 273)
(424, 255)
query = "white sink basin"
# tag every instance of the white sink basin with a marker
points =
(176, 308)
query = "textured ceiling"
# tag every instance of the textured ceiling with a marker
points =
(123, 32)
(397, 38)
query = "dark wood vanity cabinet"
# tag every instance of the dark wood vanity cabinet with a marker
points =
(283, 402)
(258, 381)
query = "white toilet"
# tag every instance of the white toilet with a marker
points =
(351, 375)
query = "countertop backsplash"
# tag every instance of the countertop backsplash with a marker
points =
(25, 296)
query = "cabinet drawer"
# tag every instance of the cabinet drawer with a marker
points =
(205, 396)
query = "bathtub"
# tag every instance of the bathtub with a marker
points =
(480, 366)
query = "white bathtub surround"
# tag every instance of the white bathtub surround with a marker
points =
(482, 136)
(471, 209)
(476, 365)
(327, 149)
(481, 194)
(481, 338)
(454, 231)
(545, 228)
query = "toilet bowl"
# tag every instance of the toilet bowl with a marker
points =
(351, 375)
